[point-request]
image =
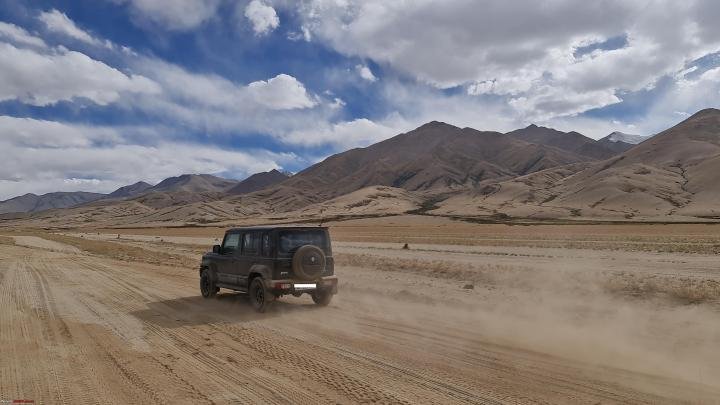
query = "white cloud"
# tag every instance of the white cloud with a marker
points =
(82, 182)
(210, 104)
(550, 101)
(303, 34)
(494, 50)
(282, 92)
(57, 21)
(681, 74)
(514, 85)
(173, 15)
(712, 75)
(359, 132)
(263, 17)
(337, 103)
(365, 73)
(19, 36)
(43, 79)
(34, 133)
(683, 98)
(458, 42)
(164, 91)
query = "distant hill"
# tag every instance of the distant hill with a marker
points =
(34, 203)
(194, 183)
(675, 172)
(625, 138)
(617, 146)
(258, 181)
(569, 141)
(130, 191)
(621, 142)
(184, 189)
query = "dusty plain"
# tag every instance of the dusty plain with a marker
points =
(470, 313)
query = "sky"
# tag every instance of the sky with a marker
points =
(97, 94)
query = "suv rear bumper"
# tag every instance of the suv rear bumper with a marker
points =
(290, 286)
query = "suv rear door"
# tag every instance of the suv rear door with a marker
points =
(257, 250)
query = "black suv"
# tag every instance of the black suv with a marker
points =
(269, 262)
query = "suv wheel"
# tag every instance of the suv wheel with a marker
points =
(260, 297)
(207, 285)
(322, 297)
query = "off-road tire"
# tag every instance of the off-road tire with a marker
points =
(308, 262)
(208, 289)
(260, 297)
(322, 297)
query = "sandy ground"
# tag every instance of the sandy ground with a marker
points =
(437, 323)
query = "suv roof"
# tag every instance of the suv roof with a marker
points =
(271, 227)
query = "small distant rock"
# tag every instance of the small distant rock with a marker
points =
(469, 287)
(405, 246)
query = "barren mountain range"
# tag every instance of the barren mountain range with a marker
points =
(33, 203)
(440, 169)
(675, 173)
(181, 189)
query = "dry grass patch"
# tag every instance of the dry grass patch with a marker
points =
(6, 240)
(684, 290)
(121, 251)
(629, 244)
(435, 268)
(672, 289)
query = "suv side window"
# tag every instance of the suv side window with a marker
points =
(251, 244)
(231, 243)
(266, 247)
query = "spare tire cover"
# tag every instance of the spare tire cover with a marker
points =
(308, 262)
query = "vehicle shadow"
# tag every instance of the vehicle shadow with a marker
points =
(196, 310)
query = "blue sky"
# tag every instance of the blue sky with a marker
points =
(98, 94)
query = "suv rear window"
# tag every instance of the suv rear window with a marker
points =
(289, 241)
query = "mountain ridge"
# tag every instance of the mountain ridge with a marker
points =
(131, 190)
(572, 141)
(463, 172)
(258, 181)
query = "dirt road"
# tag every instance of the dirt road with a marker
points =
(80, 328)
